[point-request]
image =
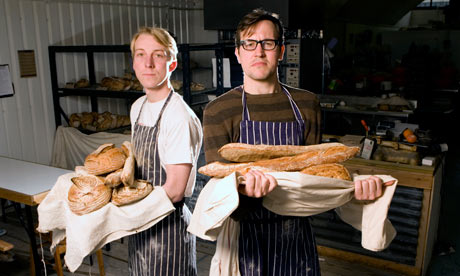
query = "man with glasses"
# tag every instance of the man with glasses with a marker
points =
(264, 111)
(166, 138)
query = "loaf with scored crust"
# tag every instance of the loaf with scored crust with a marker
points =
(105, 159)
(125, 195)
(87, 194)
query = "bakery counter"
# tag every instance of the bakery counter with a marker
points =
(414, 212)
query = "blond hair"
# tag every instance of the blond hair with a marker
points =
(161, 35)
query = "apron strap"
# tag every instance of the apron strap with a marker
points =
(245, 115)
(161, 112)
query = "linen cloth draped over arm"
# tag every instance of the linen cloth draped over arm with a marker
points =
(297, 194)
(89, 232)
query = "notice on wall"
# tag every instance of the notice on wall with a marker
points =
(6, 85)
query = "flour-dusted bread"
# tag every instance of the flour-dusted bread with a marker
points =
(328, 170)
(80, 170)
(113, 179)
(240, 152)
(104, 160)
(87, 194)
(125, 195)
(127, 175)
(334, 154)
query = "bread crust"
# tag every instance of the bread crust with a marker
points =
(105, 159)
(334, 170)
(125, 195)
(334, 154)
(240, 152)
(127, 175)
(87, 194)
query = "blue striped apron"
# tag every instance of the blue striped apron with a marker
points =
(166, 248)
(271, 244)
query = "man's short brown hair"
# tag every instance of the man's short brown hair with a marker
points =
(248, 22)
(161, 35)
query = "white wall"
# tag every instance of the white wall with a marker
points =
(27, 119)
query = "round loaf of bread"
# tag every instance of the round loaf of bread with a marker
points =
(104, 160)
(87, 194)
(328, 170)
(125, 195)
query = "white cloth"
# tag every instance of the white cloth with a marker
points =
(71, 146)
(87, 233)
(180, 134)
(297, 194)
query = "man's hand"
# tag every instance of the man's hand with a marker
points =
(257, 184)
(370, 188)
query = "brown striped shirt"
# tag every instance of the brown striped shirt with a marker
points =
(222, 116)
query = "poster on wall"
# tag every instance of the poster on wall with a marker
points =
(6, 85)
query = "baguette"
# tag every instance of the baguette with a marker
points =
(240, 152)
(334, 154)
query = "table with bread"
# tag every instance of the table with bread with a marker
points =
(310, 179)
(100, 202)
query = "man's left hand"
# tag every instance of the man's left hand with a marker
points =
(370, 188)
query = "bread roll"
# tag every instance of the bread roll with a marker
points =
(127, 175)
(113, 179)
(87, 194)
(328, 170)
(240, 152)
(125, 195)
(297, 162)
(105, 159)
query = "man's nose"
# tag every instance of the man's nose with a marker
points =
(259, 50)
(149, 62)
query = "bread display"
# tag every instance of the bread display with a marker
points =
(127, 174)
(240, 152)
(104, 160)
(321, 154)
(125, 195)
(328, 170)
(99, 180)
(87, 194)
(94, 121)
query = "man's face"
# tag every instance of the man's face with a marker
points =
(260, 64)
(151, 62)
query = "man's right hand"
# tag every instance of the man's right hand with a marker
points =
(257, 184)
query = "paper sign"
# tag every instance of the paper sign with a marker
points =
(6, 85)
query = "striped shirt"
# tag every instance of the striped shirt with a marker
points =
(222, 116)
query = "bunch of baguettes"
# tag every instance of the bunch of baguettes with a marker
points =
(320, 160)
(100, 179)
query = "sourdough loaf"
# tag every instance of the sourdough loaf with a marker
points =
(127, 175)
(104, 160)
(113, 179)
(87, 194)
(125, 195)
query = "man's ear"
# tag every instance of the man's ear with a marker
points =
(173, 65)
(237, 54)
(282, 49)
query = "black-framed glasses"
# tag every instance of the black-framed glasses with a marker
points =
(251, 44)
